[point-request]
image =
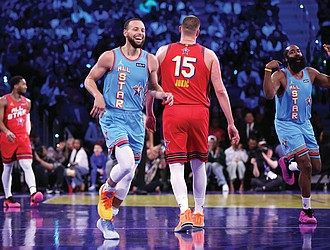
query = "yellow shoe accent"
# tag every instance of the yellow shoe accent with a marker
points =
(198, 220)
(185, 222)
(104, 207)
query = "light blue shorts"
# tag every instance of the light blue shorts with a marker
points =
(124, 128)
(297, 139)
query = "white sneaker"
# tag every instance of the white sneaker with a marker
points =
(107, 228)
(91, 188)
(225, 188)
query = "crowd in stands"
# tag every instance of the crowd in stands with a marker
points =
(54, 43)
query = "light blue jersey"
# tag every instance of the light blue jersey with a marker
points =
(296, 102)
(124, 94)
(125, 85)
(293, 111)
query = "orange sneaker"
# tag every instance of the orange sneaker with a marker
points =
(198, 220)
(104, 207)
(185, 222)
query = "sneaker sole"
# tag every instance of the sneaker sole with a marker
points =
(100, 227)
(185, 227)
(285, 173)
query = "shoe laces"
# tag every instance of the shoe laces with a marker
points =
(107, 199)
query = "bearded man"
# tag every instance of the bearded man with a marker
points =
(292, 89)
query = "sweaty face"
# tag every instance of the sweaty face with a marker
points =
(296, 63)
(135, 34)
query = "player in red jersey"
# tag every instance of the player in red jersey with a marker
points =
(186, 69)
(15, 127)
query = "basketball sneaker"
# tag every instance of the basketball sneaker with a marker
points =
(307, 217)
(107, 228)
(198, 220)
(36, 198)
(11, 203)
(104, 207)
(286, 172)
(185, 222)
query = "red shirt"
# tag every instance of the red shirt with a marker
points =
(185, 74)
(15, 115)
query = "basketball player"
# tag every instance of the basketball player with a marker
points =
(129, 73)
(292, 89)
(15, 128)
(186, 69)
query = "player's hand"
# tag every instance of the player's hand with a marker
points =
(10, 136)
(99, 107)
(274, 64)
(168, 99)
(233, 134)
(151, 123)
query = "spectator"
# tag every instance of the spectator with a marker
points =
(98, 162)
(236, 157)
(50, 171)
(264, 168)
(216, 163)
(77, 168)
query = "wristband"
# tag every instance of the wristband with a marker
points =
(269, 70)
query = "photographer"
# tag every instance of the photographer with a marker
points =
(264, 168)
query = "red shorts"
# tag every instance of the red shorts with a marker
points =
(16, 150)
(185, 130)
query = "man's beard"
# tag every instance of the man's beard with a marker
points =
(134, 44)
(296, 66)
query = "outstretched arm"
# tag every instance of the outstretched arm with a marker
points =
(154, 88)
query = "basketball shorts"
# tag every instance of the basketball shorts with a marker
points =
(297, 139)
(185, 130)
(17, 150)
(123, 128)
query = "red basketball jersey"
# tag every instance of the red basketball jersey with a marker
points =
(15, 115)
(185, 74)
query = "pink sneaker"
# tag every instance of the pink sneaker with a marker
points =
(307, 217)
(11, 203)
(286, 172)
(35, 199)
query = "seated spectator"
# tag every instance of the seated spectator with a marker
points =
(236, 157)
(77, 167)
(264, 168)
(216, 163)
(49, 170)
(98, 162)
(155, 163)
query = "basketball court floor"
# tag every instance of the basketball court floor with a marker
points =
(234, 221)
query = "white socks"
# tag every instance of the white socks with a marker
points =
(306, 202)
(30, 179)
(199, 184)
(179, 185)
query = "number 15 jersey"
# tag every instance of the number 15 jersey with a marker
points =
(185, 74)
